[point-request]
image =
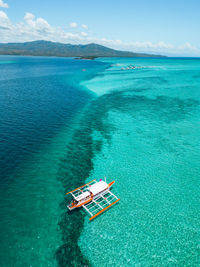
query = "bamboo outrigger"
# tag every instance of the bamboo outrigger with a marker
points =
(95, 197)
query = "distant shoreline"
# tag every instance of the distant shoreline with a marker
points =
(47, 48)
(87, 57)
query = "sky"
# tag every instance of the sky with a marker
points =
(169, 27)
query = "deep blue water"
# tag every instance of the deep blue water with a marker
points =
(37, 97)
(40, 99)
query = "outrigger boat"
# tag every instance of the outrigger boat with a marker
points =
(95, 197)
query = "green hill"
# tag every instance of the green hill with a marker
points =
(47, 48)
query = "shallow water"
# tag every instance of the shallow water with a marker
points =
(152, 151)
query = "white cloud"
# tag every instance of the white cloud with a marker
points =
(4, 20)
(37, 25)
(73, 25)
(148, 44)
(168, 48)
(149, 47)
(84, 34)
(187, 46)
(32, 28)
(29, 16)
(3, 15)
(2, 4)
(42, 24)
(84, 26)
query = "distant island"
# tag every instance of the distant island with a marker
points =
(86, 57)
(47, 48)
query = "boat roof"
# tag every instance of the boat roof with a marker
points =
(83, 195)
(98, 187)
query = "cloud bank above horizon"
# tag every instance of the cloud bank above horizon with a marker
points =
(32, 28)
(3, 4)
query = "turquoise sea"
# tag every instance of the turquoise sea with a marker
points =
(64, 122)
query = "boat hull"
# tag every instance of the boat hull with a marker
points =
(70, 207)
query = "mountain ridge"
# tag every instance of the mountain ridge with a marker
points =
(48, 48)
